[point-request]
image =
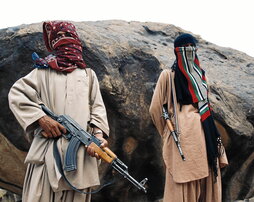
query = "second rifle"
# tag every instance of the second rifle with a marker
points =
(172, 131)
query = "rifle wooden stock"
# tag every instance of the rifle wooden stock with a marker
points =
(105, 153)
(170, 125)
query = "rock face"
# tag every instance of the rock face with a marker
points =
(128, 58)
(12, 166)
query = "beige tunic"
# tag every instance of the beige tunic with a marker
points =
(191, 136)
(63, 94)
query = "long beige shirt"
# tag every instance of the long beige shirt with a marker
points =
(191, 135)
(64, 94)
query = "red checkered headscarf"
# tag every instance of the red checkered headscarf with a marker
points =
(62, 39)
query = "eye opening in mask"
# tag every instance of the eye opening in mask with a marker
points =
(188, 44)
(48, 28)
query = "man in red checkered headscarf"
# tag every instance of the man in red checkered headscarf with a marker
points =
(63, 83)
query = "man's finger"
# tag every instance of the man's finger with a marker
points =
(104, 143)
(57, 130)
(47, 134)
(97, 156)
(90, 151)
(62, 128)
(53, 132)
(44, 134)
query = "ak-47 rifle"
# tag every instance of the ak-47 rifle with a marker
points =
(172, 131)
(76, 135)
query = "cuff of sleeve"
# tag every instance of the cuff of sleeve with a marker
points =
(31, 124)
(101, 126)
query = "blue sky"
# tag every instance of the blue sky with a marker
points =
(227, 23)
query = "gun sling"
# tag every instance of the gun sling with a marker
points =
(60, 169)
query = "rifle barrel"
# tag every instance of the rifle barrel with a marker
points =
(124, 172)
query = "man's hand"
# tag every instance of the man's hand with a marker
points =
(51, 128)
(104, 143)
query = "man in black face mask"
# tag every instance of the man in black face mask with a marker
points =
(185, 89)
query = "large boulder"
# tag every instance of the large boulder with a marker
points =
(128, 58)
(12, 166)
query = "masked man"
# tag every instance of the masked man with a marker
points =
(198, 177)
(63, 83)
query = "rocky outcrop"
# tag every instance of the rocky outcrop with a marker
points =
(8, 196)
(12, 168)
(128, 57)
